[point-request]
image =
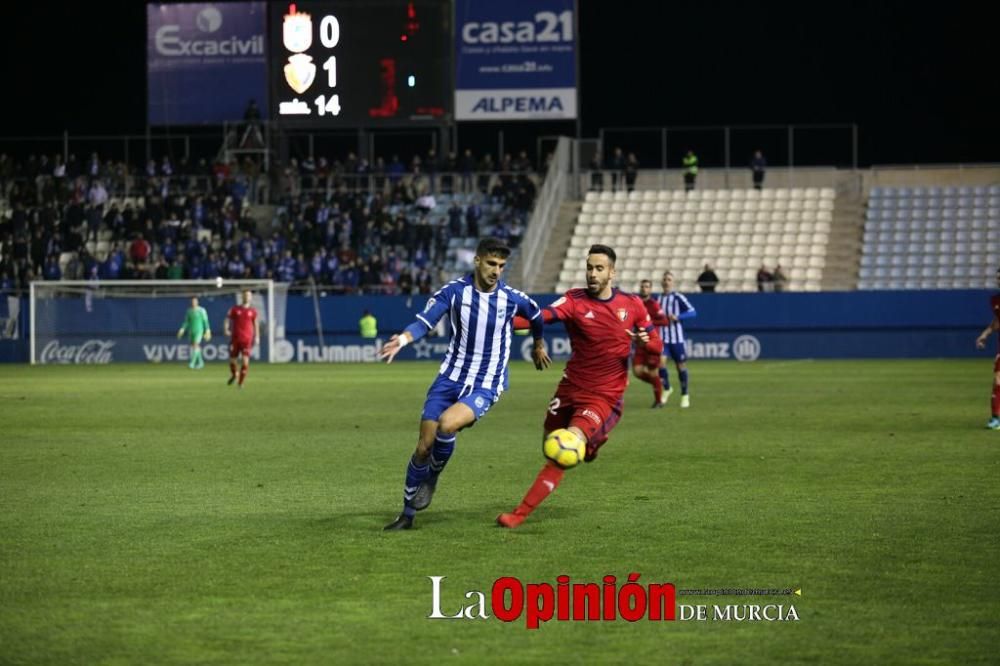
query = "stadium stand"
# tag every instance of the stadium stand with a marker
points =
(376, 232)
(734, 230)
(931, 237)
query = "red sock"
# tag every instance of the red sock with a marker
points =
(547, 480)
(243, 374)
(996, 400)
(232, 368)
(656, 382)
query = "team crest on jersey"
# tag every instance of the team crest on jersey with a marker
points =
(622, 314)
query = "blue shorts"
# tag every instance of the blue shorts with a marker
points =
(676, 351)
(444, 393)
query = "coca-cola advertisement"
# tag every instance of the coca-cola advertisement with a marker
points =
(88, 351)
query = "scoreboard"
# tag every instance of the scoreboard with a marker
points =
(360, 63)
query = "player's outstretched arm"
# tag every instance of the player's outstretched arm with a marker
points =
(413, 332)
(540, 356)
(985, 335)
(639, 335)
(523, 323)
(391, 348)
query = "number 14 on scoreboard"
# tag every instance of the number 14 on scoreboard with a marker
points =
(324, 106)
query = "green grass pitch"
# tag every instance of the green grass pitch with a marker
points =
(151, 514)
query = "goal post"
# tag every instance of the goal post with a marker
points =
(107, 321)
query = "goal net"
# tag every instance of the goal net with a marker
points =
(78, 321)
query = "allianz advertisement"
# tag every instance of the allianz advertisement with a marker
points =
(515, 60)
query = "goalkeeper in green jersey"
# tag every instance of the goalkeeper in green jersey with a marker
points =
(197, 328)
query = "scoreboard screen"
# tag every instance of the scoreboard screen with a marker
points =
(360, 63)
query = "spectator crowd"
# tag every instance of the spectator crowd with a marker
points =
(346, 225)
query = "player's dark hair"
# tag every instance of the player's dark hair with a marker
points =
(666, 273)
(493, 246)
(605, 250)
(644, 281)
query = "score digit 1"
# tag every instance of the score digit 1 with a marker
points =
(324, 106)
(331, 71)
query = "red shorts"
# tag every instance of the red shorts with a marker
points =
(237, 347)
(650, 359)
(594, 414)
(996, 364)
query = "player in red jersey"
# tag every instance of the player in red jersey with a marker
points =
(994, 422)
(243, 330)
(602, 323)
(646, 359)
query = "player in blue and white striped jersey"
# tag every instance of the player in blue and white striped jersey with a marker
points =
(473, 375)
(677, 308)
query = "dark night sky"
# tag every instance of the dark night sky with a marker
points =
(921, 84)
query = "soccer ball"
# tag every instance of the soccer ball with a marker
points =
(564, 448)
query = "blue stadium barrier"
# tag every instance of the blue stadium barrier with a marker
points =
(865, 324)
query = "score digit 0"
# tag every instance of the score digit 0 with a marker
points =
(329, 31)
